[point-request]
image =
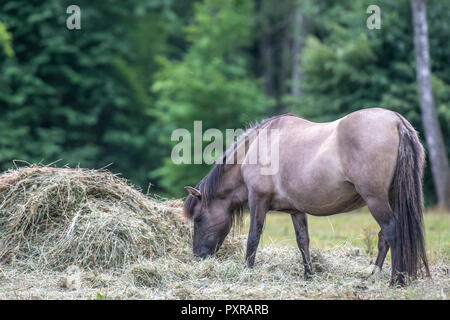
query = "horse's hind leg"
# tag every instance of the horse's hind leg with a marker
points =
(383, 214)
(301, 233)
(383, 248)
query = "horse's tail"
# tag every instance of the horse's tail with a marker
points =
(408, 201)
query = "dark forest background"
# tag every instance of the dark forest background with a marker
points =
(114, 91)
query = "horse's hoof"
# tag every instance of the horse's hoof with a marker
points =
(397, 283)
(374, 273)
(308, 276)
(372, 270)
(376, 270)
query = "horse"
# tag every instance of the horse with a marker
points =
(369, 157)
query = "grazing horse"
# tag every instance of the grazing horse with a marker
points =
(370, 157)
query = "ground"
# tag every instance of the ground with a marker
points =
(356, 229)
(343, 248)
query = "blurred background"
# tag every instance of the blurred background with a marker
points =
(113, 91)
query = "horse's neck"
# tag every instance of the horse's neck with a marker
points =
(233, 187)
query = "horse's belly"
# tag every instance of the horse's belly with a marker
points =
(339, 205)
(319, 199)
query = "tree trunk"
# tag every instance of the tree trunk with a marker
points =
(285, 65)
(265, 49)
(297, 45)
(436, 148)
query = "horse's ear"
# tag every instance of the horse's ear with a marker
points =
(193, 191)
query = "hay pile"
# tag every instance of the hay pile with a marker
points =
(55, 217)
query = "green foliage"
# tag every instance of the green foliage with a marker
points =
(5, 41)
(77, 95)
(99, 296)
(210, 83)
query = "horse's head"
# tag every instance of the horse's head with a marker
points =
(212, 221)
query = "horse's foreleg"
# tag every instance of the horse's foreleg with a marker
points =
(258, 210)
(383, 248)
(301, 233)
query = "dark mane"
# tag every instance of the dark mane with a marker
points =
(209, 184)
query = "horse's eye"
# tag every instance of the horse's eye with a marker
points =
(198, 218)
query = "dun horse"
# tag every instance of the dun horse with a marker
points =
(370, 157)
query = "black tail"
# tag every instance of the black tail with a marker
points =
(408, 202)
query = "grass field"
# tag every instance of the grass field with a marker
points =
(356, 229)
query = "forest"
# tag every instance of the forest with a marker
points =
(111, 92)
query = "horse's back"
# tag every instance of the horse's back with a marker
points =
(322, 165)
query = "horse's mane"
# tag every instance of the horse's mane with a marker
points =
(209, 184)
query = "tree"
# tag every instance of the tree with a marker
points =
(297, 46)
(80, 95)
(209, 84)
(279, 36)
(433, 135)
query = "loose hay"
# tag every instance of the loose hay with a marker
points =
(72, 279)
(55, 217)
(278, 274)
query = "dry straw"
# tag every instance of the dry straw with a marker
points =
(54, 217)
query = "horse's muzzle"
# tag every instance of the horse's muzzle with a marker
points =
(203, 254)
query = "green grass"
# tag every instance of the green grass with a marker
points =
(356, 228)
